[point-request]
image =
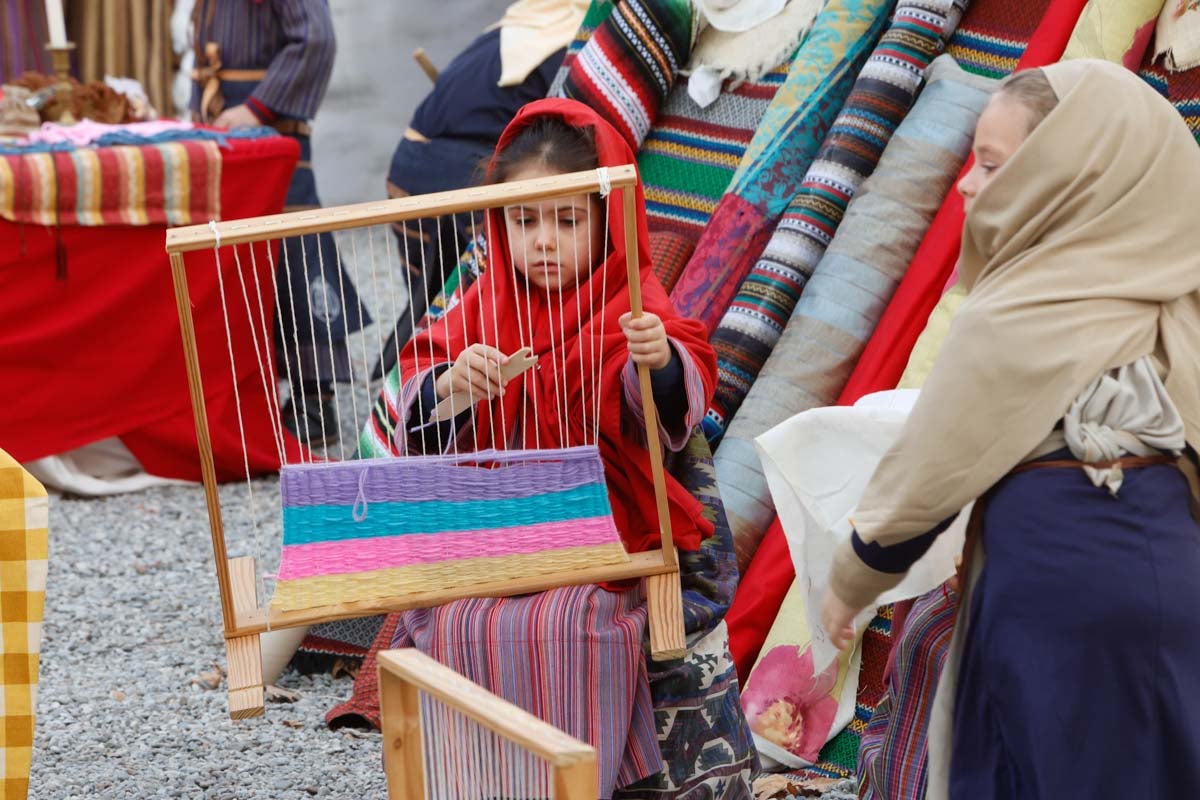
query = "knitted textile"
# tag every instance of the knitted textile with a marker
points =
(1181, 88)
(691, 154)
(993, 35)
(787, 139)
(628, 66)
(765, 300)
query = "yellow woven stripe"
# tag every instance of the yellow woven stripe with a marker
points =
(676, 150)
(355, 586)
(7, 189)
(87, 204)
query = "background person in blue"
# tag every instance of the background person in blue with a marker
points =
(268, 62)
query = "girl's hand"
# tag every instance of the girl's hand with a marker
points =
(647, 339)
(476, 371)
(838, 620)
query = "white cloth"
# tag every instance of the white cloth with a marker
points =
(817, 465)
(736, 16)
(1123, 411)
(101, 468)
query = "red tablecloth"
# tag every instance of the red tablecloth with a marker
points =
(98, 353)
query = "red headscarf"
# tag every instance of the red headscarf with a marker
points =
(502, 310)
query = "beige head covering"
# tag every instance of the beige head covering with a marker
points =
(1081, 254)
(533, 30)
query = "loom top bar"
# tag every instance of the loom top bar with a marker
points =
(296, 223)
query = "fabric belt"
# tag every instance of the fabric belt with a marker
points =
(293, 127)
(975, 524)
(212, 102)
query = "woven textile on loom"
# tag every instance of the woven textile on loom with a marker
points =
(362, 530)
(795, 124)
(173, 183)
(628, 66)
(993, 35)
(767, 296)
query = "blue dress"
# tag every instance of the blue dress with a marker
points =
(1082, 657)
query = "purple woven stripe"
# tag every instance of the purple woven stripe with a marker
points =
(384, 480)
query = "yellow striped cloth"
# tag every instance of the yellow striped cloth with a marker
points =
(24, 515)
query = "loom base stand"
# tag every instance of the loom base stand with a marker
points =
(664, 603)
(244, 653)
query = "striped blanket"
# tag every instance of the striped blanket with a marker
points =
(172, 183)
(892, 757)
(881, 97)
(993, 35)
(628, 66)
(1181, 88)
(791, 131)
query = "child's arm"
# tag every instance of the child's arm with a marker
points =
(670, 370)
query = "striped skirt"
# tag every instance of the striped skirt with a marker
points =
(570, 656)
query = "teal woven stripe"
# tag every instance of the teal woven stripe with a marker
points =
(311, 524)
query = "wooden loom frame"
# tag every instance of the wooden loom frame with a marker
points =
(405, 673)
(242, 616)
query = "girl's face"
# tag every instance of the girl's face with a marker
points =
(556, 243)
(1002, 127)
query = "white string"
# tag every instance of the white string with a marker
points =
(337, 252)
(580, 320)
(603, 316)
(605, 181)
(437, 428)
(459, 269)
(403, 433)
(537, 439)
(237, 404)
(454, 412)
(486, 266)
(558, 392)
(337, 406)
(379, 323)
(276, 433)
(306, 436)
(562, 327)
(287, 363)
(269, 374)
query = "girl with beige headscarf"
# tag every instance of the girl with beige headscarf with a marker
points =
(1066, 399)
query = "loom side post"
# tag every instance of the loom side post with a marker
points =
(577, 781)
(664, 593)
(204, 443)
(244, 653)
(400, 724)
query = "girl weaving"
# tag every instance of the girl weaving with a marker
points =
(557, 284)
(1067, 400)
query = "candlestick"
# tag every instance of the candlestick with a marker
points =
(60, 56)
(56, 23)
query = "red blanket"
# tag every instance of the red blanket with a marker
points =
(90, 347)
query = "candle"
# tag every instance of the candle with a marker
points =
(54, 19)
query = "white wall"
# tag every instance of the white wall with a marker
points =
(376, 84)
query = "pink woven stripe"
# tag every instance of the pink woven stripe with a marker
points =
(390, 552)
